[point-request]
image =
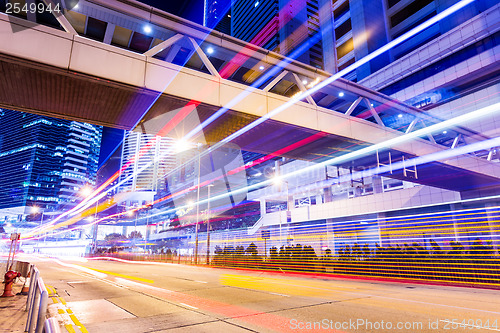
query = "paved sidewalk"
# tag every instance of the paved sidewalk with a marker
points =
(12, 314)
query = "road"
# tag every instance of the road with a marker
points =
(107, 296)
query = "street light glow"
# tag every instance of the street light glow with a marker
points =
(182, 145)
(85, 191)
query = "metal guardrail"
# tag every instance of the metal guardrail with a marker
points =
(51, 326)
(36, 306)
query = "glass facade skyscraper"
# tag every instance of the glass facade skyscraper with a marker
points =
(44, 162)
(145, 160)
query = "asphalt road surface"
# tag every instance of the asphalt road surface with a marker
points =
(107, 297)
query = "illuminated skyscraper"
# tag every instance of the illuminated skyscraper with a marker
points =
(45, 161)
(145, 160)
(354, 28)
(217, 15)
(287, 27)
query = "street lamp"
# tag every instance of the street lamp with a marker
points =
(146, 236)
(181, 146)
(197, 209)
(85, 192)
(208, 224)
(279, 181)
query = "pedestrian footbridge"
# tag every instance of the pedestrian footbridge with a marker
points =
(121, 63)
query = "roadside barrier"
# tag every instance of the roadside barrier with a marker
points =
(51, 326)
(36, 305)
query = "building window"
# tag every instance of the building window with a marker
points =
(341, 10)
(342, 29)
(408, 11)
(345, 48)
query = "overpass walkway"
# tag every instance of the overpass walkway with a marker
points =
(120, 63)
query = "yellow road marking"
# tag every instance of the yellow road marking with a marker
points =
(54, 299)
(69, 328)
(75, 320)
(51, 290)
(122, 275)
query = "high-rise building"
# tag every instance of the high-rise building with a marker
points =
(354, 28)
(45, 162)
(217, 15)
(290, 27)
(145, 160)
(332, 35)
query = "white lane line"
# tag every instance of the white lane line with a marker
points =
(280, 294)
(200, 281)
(73, 282)
(189, 306)
(469, 326)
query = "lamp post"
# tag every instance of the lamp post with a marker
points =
(197, 208)
(278, 181)
(180, 146)
(148, 208)
(85, 192)
(208, 225)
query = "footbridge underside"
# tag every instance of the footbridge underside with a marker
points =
(49, 72)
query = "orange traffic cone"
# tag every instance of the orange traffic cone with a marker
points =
(26, 286)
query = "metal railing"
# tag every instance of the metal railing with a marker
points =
(51, 326)
(36, 304)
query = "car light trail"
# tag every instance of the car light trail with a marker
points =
(320, 85)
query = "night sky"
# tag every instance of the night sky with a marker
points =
(188, 9)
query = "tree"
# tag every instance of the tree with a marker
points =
(135, 234)
(114, 237)
(252, 249)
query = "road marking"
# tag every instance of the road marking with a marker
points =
(280, 294)
(69, 328)
(189, 306)
(120, 275)
(66, 312)
(200, 281)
